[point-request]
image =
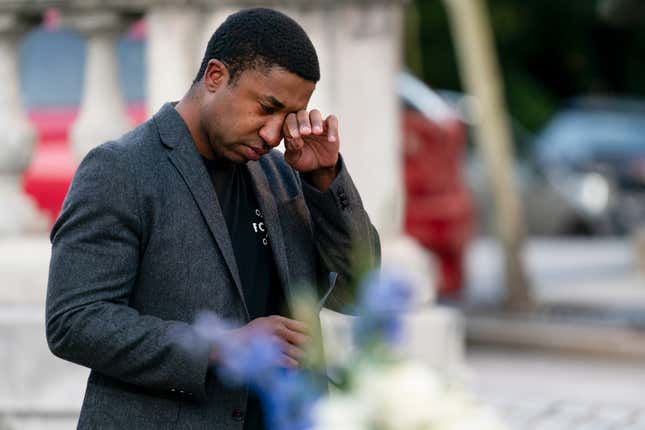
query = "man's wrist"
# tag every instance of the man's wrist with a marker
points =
(322, 178)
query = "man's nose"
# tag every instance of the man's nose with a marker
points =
(271, 133)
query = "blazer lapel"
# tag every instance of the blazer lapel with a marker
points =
(267, 203)
(186, 159)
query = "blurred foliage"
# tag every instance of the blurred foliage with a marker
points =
(549, 50)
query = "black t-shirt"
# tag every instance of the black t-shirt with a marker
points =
(258, 274)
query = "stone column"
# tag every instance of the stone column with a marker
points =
(359, 48)
(367, 61)
(102, 114)
(359, 45)
(19, 214)
(173, 52)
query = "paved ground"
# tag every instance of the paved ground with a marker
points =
(541, 390)
(598, 283)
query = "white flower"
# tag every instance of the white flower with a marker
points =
(340, 412)
(400, 397)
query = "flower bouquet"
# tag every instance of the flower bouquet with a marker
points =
(374, 390)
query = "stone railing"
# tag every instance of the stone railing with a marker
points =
(358, 44)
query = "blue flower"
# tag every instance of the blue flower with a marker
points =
(248, 361)
(384, 298)
(288, 401)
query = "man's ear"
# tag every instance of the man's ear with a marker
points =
(215, 76)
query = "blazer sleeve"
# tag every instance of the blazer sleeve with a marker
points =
(96, 244)
(346, 241)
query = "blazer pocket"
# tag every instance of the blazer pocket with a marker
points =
(131, 407)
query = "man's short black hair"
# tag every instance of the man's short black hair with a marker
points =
(261, 37)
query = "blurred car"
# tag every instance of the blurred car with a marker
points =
(579, 175)
(592, 153)
(439, 210)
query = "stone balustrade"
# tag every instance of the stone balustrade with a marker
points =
(358, 44)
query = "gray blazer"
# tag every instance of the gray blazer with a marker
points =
(141, 246)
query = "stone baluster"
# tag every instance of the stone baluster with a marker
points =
(173, 52)
(359, 46)
(367, 57)
(102, 115)
(19, 214)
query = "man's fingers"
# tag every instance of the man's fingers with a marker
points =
(290, 128)
(331, 124)
(304, 126)
(295, 325)
(291, 350)
(292, 137)
(294, 332)
(316, 121)
(289, 362)
(292, 337)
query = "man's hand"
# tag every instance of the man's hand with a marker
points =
(290, 334)
(312, 146)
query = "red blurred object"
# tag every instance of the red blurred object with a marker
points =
(439, 208)
(53, 165)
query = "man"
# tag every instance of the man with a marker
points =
(194, 211)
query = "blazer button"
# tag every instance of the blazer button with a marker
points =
(238, 414)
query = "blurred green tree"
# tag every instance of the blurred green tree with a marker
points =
(549, 50)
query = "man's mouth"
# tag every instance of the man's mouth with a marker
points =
(254, 153)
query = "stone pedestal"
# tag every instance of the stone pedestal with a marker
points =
(434, 337)
(102, 114)
(19, 214)
(38, 390)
